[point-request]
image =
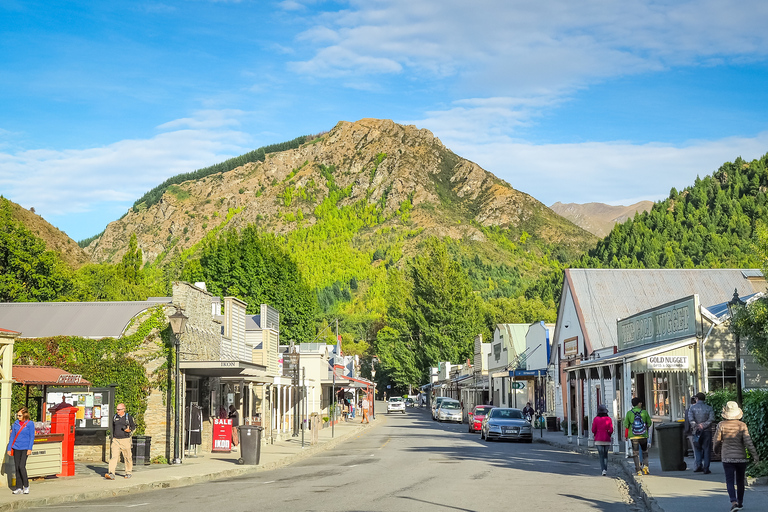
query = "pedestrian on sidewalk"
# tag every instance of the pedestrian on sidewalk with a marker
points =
(602, 428)
(235, 417)
(22, 438)
(528, 412)
(121, 429)
(636, 426)
(364, 407)
(732, 440)
(700, 418)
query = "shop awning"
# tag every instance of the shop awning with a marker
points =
(635, 354)
(218, 368)
(46, 376)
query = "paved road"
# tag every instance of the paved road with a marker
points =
(408, 462)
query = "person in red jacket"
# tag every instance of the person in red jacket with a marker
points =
(602, 427)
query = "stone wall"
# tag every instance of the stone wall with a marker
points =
(201, 340)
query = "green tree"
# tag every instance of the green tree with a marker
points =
(28, 272)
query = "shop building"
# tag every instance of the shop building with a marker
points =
(661, 335)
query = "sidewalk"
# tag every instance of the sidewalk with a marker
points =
(669, 491)
(89, 482)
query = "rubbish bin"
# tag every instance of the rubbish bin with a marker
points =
(140, 450)
(552, 424)
(250, 444)
(670, 436)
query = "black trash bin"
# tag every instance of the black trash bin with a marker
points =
(552, 425)
(670, 438)
(250, 444)
(140, 450)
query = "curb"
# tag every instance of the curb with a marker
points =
(635, 484)
(171, 481)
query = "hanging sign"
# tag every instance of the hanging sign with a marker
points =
(673, 321)
(222, 435)
(668, 362)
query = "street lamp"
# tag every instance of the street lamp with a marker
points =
(374, 360)
(733, 306)
(178, 323)
(293, 357)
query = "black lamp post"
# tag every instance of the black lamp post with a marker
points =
(733, 306)
(294, 358)
(178, 323)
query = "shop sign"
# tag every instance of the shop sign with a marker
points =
(668, 362)
(222, 435)
(68, 378)
(669, 322)
(570, 347)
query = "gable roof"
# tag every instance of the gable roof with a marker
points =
(85, 319)
(603, 296)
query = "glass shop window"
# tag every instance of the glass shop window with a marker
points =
(721, 375)
(660, 395)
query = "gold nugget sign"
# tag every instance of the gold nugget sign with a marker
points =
(673, 321)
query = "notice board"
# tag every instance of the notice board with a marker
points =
(95, 406)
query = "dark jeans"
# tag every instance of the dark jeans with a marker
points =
(735, 471)
(602, 454)
(20, 461)
(702, 449)
(640, 443)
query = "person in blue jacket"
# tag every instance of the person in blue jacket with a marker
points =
(20, 447)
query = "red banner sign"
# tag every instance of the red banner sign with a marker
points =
(222, 435)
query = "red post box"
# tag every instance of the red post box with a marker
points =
(63, 422)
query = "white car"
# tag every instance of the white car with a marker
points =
(449, 410)
(396, 403)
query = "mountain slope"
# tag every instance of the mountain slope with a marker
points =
(599, 218)
(55, 239)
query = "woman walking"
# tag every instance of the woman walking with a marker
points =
(20, 447)
(602, 427)
(732, 440)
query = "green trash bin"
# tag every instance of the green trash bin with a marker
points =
(670, 438)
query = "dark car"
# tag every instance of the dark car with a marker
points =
(476, 417)
(506, 423)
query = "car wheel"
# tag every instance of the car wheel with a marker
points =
(403, 411)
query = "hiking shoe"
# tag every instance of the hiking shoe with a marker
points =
(640, 473)
(18, 491)
(109, 476)
(128, 475)
(707, 472)
(735, 506)
(698, 470)
(26, 490)
(605, 473)
(646, 470)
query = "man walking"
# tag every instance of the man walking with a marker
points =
(700, 418)
(636, 426)
(121, 429)
(365, 406)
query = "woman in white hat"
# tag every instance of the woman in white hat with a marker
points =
(732, 438)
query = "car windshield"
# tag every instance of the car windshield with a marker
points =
(507, 414)
(450, 405)
(395, 399)
(482, 411)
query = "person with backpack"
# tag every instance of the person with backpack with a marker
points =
(700, 418)
(636, 426)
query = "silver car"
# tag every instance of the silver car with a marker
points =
(436, 405)
(449, 410)
(506, 423)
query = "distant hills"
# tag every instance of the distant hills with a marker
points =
(599, 218)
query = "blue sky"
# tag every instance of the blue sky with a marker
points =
(607, 101)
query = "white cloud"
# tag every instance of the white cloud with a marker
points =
(60, 182)
(522, 47)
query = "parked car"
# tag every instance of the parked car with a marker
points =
(506, 423)
(396, 403)
(449, 410)
(476, 417)
(409, 402)
(438, 402)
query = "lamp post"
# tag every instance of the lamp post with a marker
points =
(294, 358)
(178, 322)
(733, 306)
(374, 360)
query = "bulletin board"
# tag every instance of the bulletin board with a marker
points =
(95, 406)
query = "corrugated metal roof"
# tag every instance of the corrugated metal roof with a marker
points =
(606, 295)
(85, 319)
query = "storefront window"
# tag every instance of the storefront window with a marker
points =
(660, 395)
(721, 375)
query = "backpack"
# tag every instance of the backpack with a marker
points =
(638, 426)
